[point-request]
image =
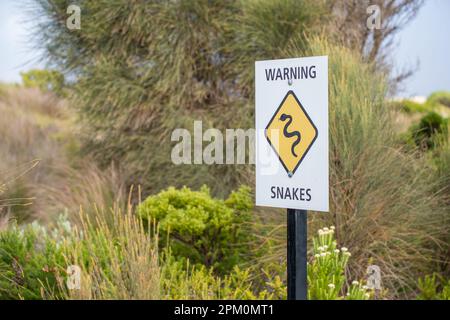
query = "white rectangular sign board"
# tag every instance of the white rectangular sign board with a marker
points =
(291, 102)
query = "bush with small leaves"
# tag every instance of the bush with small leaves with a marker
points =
(409, 106)
(209, 231)
(31, 259)
(439, 98)
(428, 129)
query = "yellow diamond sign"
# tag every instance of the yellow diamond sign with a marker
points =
(291, 133)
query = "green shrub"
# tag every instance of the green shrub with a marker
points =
(44, 80)
(182, 281)
(431, 289)
(439, 98)
(30, 263)
(431, 125)
(205, 230)
(410, 106)
(118, 259)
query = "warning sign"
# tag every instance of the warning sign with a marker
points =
(291, 107)
(291, 132)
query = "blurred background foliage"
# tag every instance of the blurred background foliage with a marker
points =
(138, 70)
(44, 80)
(146, 68)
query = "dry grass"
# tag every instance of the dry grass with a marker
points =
(41, 171)
(29, 126)
(118, 258)
(80, 187)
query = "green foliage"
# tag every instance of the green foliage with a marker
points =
(431, 289)
(205, 230)
(326, 272)
(435, 102)
(118, 259)
(182, 281)
(45, 80)
(140, 78)
(410, 106)
(429, 126)
(30, 263)
(439, 98)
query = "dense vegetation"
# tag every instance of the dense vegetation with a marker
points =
(90, 163)
(120, 259)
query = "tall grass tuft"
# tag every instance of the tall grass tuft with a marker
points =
(118, 259)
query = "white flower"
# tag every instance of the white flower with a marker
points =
(332, 228)
(365, 287)
(348, 254)
(317, 255)
(331, 286)
(355, 283)
(325, 247)
(328, 253)
(367, 295)
(336, 250)
(326, 229)
(344, 249)
(323, 254)
(321, 249)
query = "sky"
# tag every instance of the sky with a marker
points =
(423, 43)
(15, 53)
(426, 41)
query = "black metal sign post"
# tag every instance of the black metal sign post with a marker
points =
(296, 254)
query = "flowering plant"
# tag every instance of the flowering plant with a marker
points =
(326, 272)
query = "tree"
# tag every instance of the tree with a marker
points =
(144, 68)
(351, 28)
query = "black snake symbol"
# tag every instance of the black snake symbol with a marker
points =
(291, 134)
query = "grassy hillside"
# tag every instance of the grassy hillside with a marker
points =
(43, 173)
